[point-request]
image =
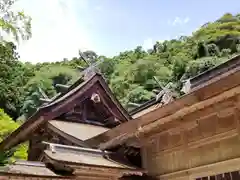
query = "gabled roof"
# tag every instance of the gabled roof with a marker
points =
(81, 156)
(78, 157)
(74, 132)
(37, 169)
(145, 108)
(206, 77)
(70, 162)
(63, 103)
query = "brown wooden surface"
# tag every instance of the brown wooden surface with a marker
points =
(205, 170)
(225, 100)
(210, 90)
(63, 104)
(203, 137)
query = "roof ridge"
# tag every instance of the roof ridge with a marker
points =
(29, 163)
(76, 148)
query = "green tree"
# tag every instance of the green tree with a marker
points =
(7, 125)
(46, 78)
(129, 74)
(14, 75)
(16, 24)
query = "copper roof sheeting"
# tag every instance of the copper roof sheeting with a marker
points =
(228, 67)
(147, 110)
(78, 130)
(28, 168)
(82, 156)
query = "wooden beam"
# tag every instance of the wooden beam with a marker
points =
(185, 126)
(84, 112)
(172, 120)
(108, 103)
(187, 110)
(213, 139)
(206, 170)
(45, 100)
(112, 119)
(134, 104)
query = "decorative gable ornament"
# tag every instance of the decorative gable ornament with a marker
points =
(95, 98)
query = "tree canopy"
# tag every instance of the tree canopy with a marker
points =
(130, 74)
(7, 125)
(15, 23)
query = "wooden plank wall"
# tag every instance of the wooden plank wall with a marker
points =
(214, 138)
(28, 178)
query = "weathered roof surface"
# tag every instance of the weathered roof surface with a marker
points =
(202, 79)
(78, 130)
(82, 156)
(28, 168)
(151, 107)
(143, 106)
(62, 104)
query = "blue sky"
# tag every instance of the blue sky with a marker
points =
(108, 27)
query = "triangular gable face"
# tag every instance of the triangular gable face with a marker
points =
(90, 102)
(95, 109)
(62, 132)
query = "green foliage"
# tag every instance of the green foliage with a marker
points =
(7, 125)
(20, 152)
(174, 60)
(137, 94)
(129, 74)
(16, 24)
(46, 78)
(14, 75)
(5, 157)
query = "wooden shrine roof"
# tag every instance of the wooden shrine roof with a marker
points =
(78, 156)
(78, 162)
(81, 158)
(28, 168)
(63, 103)
(151, 107)
(216, 90)
(227, 67)
(77, 130)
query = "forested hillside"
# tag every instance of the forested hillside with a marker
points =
(129, 74)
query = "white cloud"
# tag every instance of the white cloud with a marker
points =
(57, 34)
(148, 44)
(186, 20)
(179, 21)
